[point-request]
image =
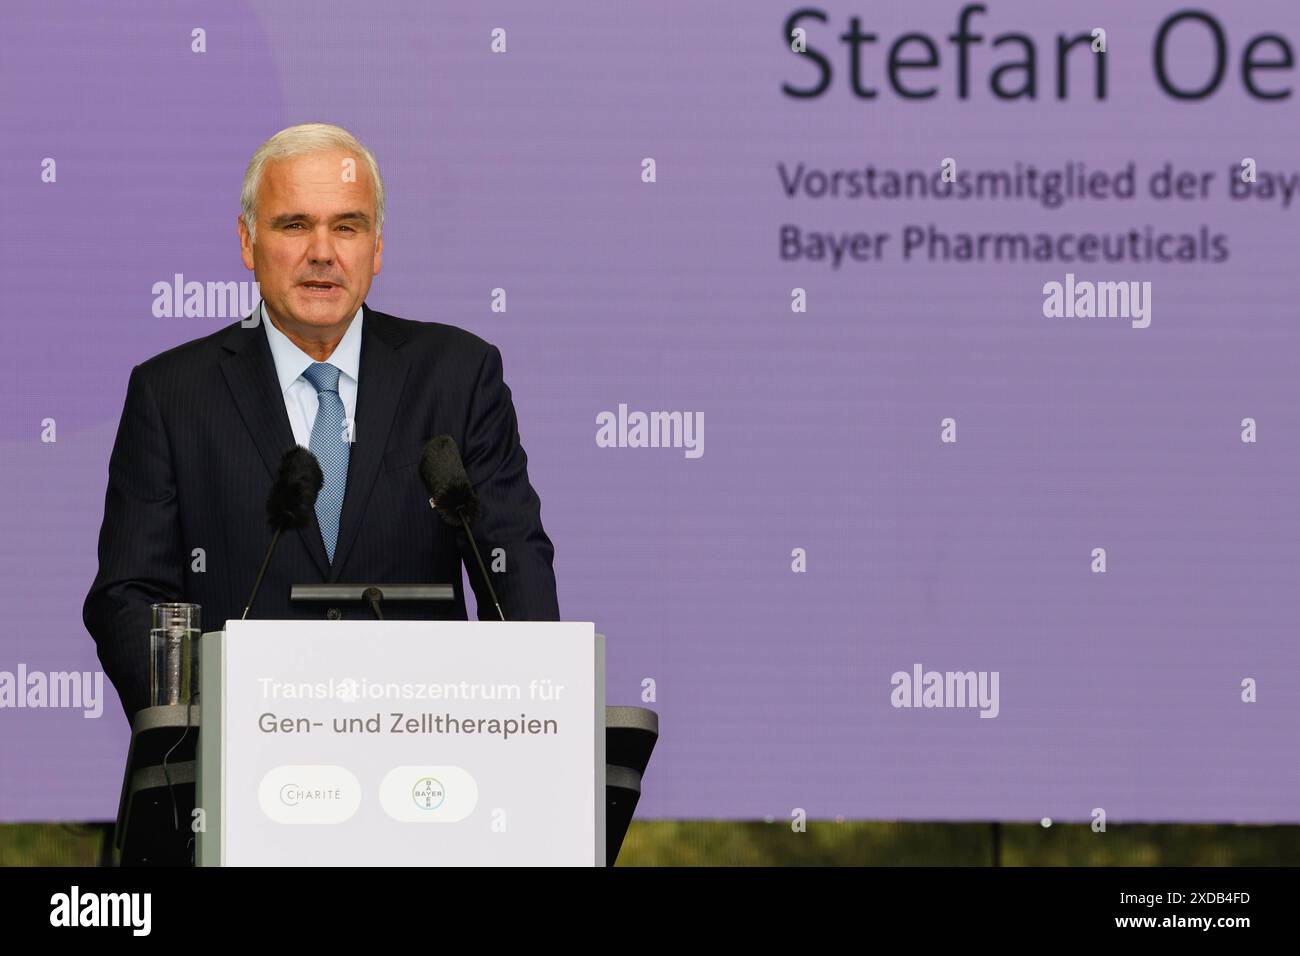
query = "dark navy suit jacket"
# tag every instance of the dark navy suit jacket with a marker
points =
(200, 441)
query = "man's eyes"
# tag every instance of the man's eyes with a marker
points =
(295, 224)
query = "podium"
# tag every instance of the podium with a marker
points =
(156, 807)
(389, 742)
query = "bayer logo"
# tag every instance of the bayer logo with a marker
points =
(428, 793)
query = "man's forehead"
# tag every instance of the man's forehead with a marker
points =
(323, 175)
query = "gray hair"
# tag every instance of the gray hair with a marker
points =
(293, 141)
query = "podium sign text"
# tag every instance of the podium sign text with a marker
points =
(403, 743)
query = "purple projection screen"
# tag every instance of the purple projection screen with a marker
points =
(992, 317)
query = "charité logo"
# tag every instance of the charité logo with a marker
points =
(292, 794)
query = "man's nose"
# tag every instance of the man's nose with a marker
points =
(321, 248)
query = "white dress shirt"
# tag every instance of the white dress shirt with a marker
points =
(300, 399)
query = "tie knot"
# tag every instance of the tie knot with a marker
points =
(323, 376)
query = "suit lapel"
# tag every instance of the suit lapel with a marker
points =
(379, 388)
(250, 373)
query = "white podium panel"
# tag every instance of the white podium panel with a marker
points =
(410, 743)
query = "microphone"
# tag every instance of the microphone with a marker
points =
(452, 496)
(291, 502)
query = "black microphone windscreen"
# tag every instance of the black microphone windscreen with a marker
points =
(443, 474)
(293, 495)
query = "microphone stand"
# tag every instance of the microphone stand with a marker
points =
(373, 596)
(265, 561)
(460, 513)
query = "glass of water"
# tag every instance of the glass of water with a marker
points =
(174, 654)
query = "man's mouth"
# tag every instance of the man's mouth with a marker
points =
(320, 288)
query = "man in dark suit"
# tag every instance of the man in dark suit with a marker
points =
(206, 424)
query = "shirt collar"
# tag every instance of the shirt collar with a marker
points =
(291, 361)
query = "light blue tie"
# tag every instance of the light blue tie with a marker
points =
(329, 443)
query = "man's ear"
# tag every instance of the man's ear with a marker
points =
(379, 253)
(245, 244)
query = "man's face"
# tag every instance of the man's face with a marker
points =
(316, 250)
